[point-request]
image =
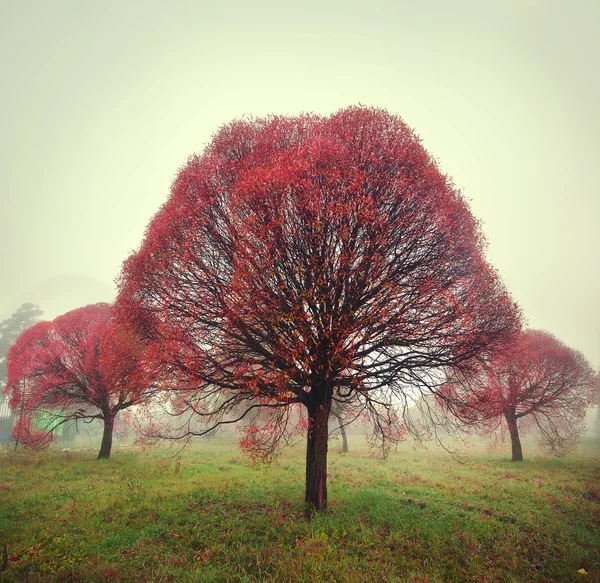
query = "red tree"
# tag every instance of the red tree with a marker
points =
(309, 260)
(537, 382)
(82, 365)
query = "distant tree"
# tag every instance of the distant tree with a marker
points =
(338, 412)
(82, 365)
(345, 414)
(11, 328)
(537, 382)
(306, 259)
(598, 403)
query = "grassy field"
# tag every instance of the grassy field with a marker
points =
(211, 516)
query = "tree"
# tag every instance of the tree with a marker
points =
(10, 329)
(338, 412)
(82, 365)
(537, 382)
(598, 403)
(306, 260)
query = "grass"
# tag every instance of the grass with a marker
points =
(211, 516)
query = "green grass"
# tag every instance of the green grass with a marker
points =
(420, 517)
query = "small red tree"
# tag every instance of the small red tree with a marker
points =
(537, 381)
(306, 260)
(82, 365)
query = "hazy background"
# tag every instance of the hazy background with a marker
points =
(102, 102)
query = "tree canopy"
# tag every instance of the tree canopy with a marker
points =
(82, 365)
(10, 329)
(536, 382)
(305, 260)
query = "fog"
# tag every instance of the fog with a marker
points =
(103, 102)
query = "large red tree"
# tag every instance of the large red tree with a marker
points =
(309, 260)
(82, 365)
(536, 382)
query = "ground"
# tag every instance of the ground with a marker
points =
(209, 515)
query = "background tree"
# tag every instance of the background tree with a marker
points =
(597, 403)
(82, 365)
(11, 328)
(338, 412)
(537, 382)
(307, 259)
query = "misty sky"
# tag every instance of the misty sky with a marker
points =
(102, 102)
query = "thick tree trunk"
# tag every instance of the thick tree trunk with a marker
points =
(517, 451)
(316, 457)
(107, 437)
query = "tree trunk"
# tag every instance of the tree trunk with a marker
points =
(343, 432)
(107, 437)
(517, 451)
(316, 457)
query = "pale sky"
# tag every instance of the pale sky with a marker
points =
(102, 102)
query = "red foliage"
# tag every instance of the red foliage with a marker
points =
(536, 382)
(82, 365)
(26, 434)
(306, 259)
